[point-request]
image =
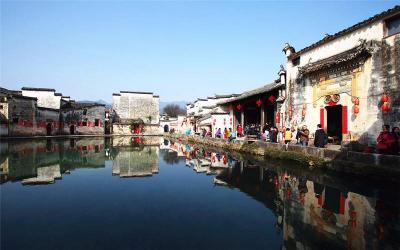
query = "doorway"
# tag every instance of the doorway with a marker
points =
(334, 122)
(252, 116)
(166, 128)
(72, 129)
(48, 129)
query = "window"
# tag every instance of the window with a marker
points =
(1, 106)
(393, 26)
(84, 123)
(15, 120)
(296, 61)
(96, 122)
(84, 111)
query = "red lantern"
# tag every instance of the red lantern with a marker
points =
(239, 107)
(230, 106)
(385, 98)
(290, 112)
(356, 101)
(303, 111)
(385, 107)
(356, 109)
(271, 98)
(278, 117)
(259, 103)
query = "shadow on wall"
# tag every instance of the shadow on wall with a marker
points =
(385, 79)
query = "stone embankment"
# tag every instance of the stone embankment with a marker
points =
(337, 160)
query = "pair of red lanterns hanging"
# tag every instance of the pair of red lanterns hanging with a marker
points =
(356, 108)
(385, 103)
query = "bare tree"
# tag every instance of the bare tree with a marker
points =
(173, 110)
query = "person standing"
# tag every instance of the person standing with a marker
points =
(218, 133)
(272, 135)
(239, 130)
(385, 140)
(321, 139)
(396, 145)
(304, 135)
(288, 136)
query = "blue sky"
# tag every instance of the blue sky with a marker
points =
(179, 50)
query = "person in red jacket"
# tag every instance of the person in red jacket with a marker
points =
(239, 131)
(385, 140)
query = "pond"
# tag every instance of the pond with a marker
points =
(151, 193)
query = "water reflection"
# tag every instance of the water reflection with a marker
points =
(132, 161)
(310, 209)
(45, 161)
(311, 214)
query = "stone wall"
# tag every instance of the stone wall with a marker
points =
(21, 116)
(47, 119)
(86, 120)
(136, 105)
(343, 161)
(45, 98)
(125, 129)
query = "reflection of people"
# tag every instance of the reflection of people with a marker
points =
(321, 139)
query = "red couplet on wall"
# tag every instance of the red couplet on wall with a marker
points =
(344, 120)
(321, 117)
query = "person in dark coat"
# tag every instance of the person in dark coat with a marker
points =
(321, 139)
(273, 135)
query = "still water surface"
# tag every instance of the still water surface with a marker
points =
(149, 193)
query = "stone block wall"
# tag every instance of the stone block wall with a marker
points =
(86, 120)
(137, 105)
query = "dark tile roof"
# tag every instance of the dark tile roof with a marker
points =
(137, 92)
(15, 94)
(57, 94)
(38, 89)
(257, 91)
(356, 54)
(49, 109)
(386, 14)
(81, 105)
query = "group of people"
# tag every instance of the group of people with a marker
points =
(300, 135)
(388, 141)
(227, 134)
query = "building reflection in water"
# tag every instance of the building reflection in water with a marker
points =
(45, 161)
(311, 214)
(313, 210)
